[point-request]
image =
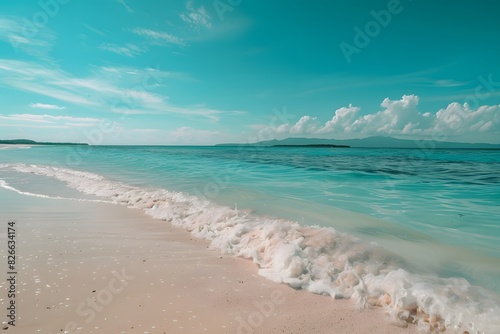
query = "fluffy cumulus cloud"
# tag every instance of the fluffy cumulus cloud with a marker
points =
(461, 119)
(402, 118)
(343, 120)
(305, 124)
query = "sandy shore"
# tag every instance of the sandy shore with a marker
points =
(6, 146)
(101, 268)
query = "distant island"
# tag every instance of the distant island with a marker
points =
(32, 142)
(312, 145)
(371, 142)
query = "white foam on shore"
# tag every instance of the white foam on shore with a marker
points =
(320, 260)
(4, 147)
(6, 186)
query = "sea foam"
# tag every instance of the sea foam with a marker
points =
(6, 186)
(317, 259)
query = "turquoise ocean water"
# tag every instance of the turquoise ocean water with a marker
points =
(417, 230)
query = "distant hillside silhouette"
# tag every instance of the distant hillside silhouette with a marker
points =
(32, 142)
(372, 142)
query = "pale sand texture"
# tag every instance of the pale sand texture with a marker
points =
(67, 251)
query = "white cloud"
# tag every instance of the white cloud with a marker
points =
(20, 33)
(30, 126)
(107, 89)
(306, 124)
(196, 17)
(343, 119)
(137, 75)
(449, 83)
(130, 10)
(129, 50)
(158, 37)
(46, 106)
(402, 118)
(59, 121)
(48, 118)
(95, 30)
(460, 119)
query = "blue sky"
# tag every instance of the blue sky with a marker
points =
(205, 72)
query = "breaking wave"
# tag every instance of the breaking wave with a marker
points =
(317, 259)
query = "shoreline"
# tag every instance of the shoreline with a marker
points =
(6, 146)
(77, 252)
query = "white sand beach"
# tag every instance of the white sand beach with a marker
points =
(102, 268)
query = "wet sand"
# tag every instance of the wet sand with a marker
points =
(102, 268)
